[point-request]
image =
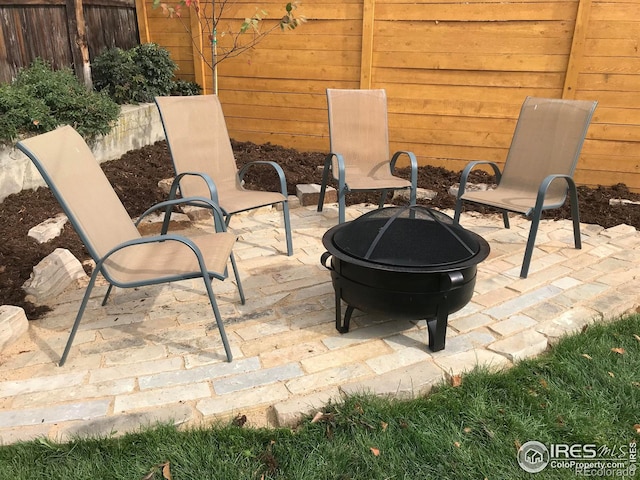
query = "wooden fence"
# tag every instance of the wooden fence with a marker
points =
(66, 33)
(456, 73)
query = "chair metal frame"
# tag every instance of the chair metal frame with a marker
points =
(163, 104)
(100, 269)
(534, 211)
(341, 163)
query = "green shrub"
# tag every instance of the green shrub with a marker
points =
(40, 99)
(138, 75)
(156, 67)
(185, 88)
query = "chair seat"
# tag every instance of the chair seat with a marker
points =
(170, 259)
(514, 200)
(233, 201)
(357, 180)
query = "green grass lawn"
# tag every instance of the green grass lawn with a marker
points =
(584, 392)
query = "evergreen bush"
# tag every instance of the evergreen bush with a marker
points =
(138, 75)
(41, 98)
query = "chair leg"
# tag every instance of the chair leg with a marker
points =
(106, 295)
(76, 323)
(216, 313)
(383, 197)
(323, 185)
(237, 275)
(342, 205)
(457, 211)
(535, 221)
(575, 216)
(505, 219)
(287, 226)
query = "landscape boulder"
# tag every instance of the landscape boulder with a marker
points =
(52, 276)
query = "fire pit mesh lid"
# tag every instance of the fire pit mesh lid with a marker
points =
(406, 236)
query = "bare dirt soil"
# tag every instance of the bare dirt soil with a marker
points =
(136, 174)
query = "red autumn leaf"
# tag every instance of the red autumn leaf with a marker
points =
(375, 451)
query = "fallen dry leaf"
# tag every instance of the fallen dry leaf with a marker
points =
(456, 380)
(467, 430)
(618, 350)
(637, 337)
(587, 356)
(166, 471)
(384, 426)
(456, 444)
(544, 383)
(321, 417)
(375, 451)
(240, 420)
(612, 375)
(636, 427)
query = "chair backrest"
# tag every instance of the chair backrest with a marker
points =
(547, 140)
(358, 126)
(75, 178)
(198, 140)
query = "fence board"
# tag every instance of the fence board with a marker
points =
(109, 23)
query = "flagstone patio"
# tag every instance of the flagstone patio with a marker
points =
(154, 354)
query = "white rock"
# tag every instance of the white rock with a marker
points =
(49, 229)
(53, 275)
(421, 194)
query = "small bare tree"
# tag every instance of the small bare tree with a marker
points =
(209, 15)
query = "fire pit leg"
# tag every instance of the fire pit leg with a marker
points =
(437, 327)
(342, 325)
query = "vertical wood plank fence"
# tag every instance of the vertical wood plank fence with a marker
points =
(66, 33)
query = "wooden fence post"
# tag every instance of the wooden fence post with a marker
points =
(577, 49)
(78, 41)
(366, 61)
(143, 21)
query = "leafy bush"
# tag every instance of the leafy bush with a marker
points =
(40, 99)
(138, 75)
(185, 88)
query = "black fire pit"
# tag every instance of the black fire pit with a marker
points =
(408, 262)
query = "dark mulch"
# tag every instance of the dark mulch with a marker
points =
(135, 178)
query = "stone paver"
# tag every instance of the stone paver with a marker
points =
(154, 354)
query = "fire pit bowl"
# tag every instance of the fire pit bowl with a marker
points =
(409, 262)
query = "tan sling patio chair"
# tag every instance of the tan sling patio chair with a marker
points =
(539, 168)
(359, 157)
(203, 159)
(122, 255)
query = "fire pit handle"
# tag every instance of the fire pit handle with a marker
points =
(454, 279)
(323, 259)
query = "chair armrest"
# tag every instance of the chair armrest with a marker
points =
(155, 239)
(544, 186)
(413, 162)
(470, 166)
(328, 165)
(276, 167)
(211, 186)
(218, 214)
